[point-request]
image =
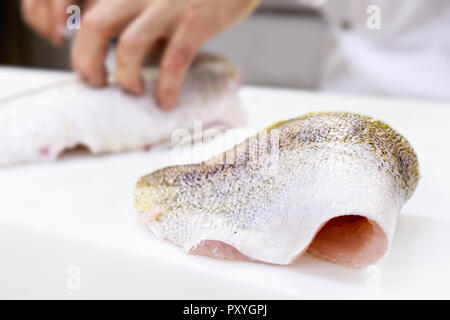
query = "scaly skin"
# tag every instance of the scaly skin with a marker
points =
(268, 197)
(38, 125)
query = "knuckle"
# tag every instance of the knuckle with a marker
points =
(179, 58)
(30, 5)
(126, 48)
(128, 44)
(94, 22)
(28, 8)
(191, 16)
(172, 3)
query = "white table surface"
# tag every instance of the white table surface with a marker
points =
(79, 212)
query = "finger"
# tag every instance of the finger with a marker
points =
(101, 23)
(37, 14)
(181, 50)
(59, 16)
(135, 43)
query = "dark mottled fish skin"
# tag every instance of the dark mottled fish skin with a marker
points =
(319, 166)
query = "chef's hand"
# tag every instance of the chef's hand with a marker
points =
(140, 24)
(46, 17)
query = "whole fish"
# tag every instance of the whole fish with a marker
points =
(330, 184)
(39, 125)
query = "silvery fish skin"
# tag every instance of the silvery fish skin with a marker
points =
(330, 184)
(41, 124)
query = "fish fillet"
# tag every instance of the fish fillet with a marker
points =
(41, 124)
(330, 184)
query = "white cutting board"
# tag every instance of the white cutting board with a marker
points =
(69, 230)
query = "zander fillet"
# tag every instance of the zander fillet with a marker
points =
(41, 124)
(330, 184)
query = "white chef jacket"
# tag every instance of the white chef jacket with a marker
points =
(409, 55)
